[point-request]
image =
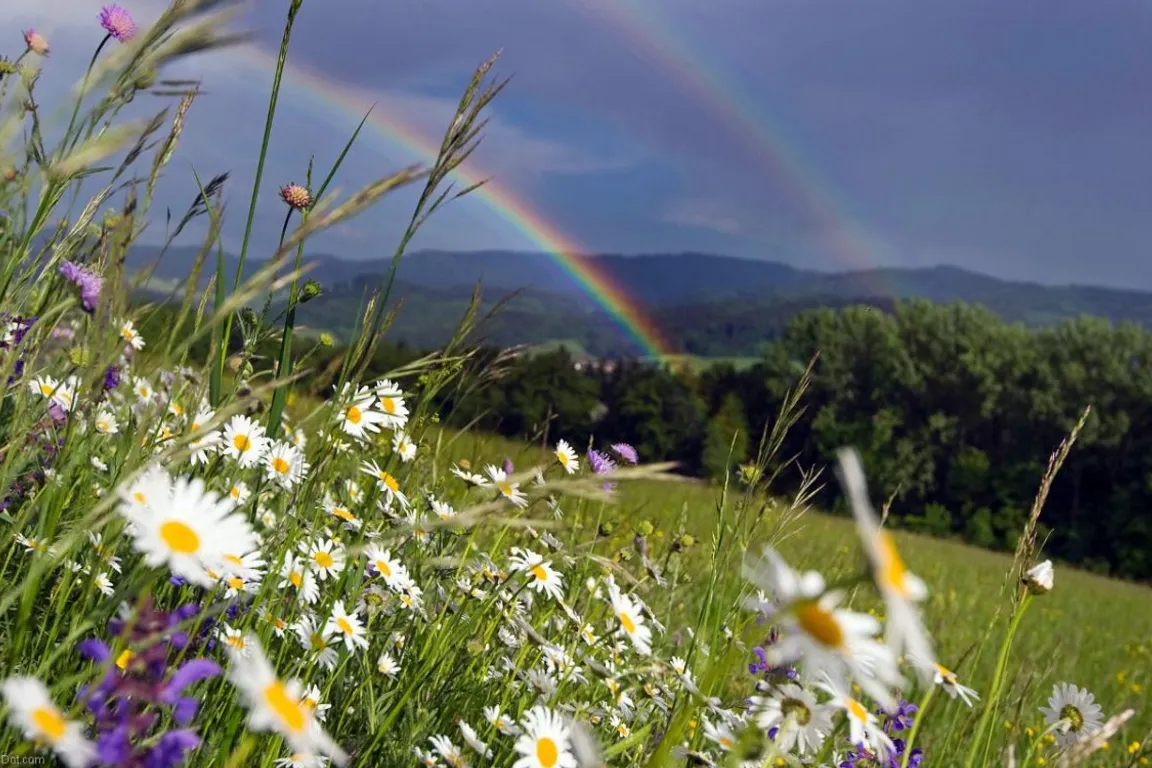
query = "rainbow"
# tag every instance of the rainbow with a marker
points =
(352, 104)
(654, 39)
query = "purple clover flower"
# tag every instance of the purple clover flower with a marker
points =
(89, 283)
(117, 22)
(626, 452)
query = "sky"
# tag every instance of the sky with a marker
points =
(1013, 139)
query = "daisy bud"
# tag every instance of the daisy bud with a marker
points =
(1039, 578)
(296, 196)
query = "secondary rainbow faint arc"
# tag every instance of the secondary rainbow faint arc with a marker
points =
(627, 311)
(641, 24)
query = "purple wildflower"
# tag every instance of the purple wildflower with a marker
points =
(127, 703)
(89, 283)
(509, 467)
(626, 452)
(117, 22)
(601, 464)
(111, 377)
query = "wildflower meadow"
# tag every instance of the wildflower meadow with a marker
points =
(242, 559)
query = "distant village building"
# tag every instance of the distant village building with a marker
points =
(594, 365)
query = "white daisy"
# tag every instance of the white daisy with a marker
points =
(312, 699)
(449, 751)
(390, 569)
(285, 464)
(442, 509)
(385, 481)
(468, 733)
(387, 665)
(803, 724)
(357, 416)
(947, 679)
(864, 729)
(31, 709)
(105, 422)
(143, 389)
(315, 639)
(295, 573)
(189, 529)
(471, 477)
(567, 457)
(404, 447)
(1074, 713)
(1040, 577)
(129, 334)
(346, 626)
(244, 441)
(900, 588)
(500, 721)
(391, 402)
(545, 742)
(275, 705)
(325, 557)
(829, 639)
(631, 620)
(510, 491)
(543, 577)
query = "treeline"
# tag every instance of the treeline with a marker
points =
(954, 411)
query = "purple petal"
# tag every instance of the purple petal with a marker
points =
(95, 650)
(189, 673)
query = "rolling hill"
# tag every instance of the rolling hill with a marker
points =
(705, 304)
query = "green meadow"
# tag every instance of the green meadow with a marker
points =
(216, 552)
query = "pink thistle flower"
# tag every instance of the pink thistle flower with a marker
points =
(36, 42)
(296, 196)
(117, 22)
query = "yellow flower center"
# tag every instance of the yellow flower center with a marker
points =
(892, 573)
(234, 492)
(236, 641)
(353, 414)
(49, 722)
(280, 465)
(47, 390)
(563, 458)
(820, 624)
(546, 752)
(180, 537)
(102, 425)
(286, 708)
(235, 582)
(323, 559)
(382, 566)
(128, 333)
(343, 514)
(856, 709)
(242, 443)
(233, 559)
(389, 482)
(139, 498)
(539, 572)
(125, 658)
(296, 578)
(317, 641)
(505, 488)
(627, 623)
(345, 626)
(388, 404)
(725, 743)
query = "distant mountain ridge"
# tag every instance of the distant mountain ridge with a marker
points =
(706, 304)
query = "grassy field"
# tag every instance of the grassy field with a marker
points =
(1092, 631)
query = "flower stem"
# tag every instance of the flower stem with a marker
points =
(997, 683)
(921, 708)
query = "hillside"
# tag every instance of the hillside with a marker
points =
(705, 304)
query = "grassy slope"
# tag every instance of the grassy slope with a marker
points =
(1092, 631)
